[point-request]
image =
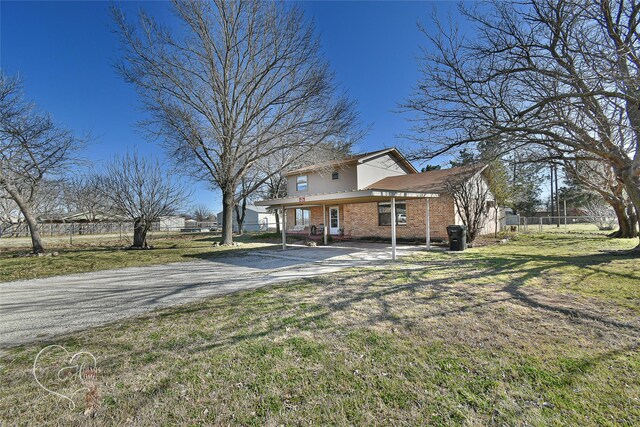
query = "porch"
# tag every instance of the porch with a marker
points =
(316, 217)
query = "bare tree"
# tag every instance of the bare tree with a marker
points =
(498, 184)
(82, 195)
(470, 197)
(10, 215)
(244, 80)
(33, 148)
(601, 215)
(201, 213)
(246, 194)
(599, 178)
(273, 188)
(559, 74)
(143, 191)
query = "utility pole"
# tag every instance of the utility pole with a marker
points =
(551, 198)
(557, 200)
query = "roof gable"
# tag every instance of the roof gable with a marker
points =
(355, 159)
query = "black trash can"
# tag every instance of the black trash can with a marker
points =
(457, 237)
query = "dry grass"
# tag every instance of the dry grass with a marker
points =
(103, 252)
(534, 332)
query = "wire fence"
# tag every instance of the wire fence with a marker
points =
(71, 228)
(121, 228)
(540, 224)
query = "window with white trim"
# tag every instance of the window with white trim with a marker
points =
(384, 213)
(301, 183)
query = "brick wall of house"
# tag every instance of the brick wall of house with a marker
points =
(316, 215)
(361, 219)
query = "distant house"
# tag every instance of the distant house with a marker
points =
(257, 218)
(352, 197)
(171, 223)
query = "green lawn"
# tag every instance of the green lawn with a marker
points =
(91, 253)
(543, 330)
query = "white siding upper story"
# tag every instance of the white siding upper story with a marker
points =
(373, 170)
(322, 181)
(350, 177)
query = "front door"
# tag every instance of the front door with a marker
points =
(334, 220)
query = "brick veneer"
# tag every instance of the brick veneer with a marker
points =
(361, 219)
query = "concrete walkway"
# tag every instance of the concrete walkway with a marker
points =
(33, 310)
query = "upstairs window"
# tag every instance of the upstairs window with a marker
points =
(301, 183)
(384, 213)
(335, 175)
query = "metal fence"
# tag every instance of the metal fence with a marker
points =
(71, 228)
(558, 223)
(119, 228)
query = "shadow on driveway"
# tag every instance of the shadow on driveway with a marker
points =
(41, 308)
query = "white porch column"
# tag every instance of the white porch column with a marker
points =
(325, 228)
(428, 225)
(393, 228)
(284, 228)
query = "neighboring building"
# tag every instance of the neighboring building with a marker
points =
(353, 197)
(171, 223)
(257, 218)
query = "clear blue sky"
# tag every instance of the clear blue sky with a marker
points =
(65, 51)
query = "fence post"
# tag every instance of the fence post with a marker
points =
(540, 226)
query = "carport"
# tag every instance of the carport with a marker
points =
(350, 197)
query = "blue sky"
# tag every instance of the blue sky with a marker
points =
(65, 51)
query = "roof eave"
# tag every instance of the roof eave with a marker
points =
(346, 197)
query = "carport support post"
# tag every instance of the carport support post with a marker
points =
(324, 225)
(284, 229)
(393, 228)
(428, 225)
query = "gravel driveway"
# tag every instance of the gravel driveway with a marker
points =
(33, 310)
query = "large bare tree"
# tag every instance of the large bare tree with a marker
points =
(560, 74)
(33, 148)
(82, 195)
(143, 191)
(242, 81)
(599, 178)
(201, 213)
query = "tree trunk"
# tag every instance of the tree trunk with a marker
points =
(140, 228)
(227, 217)
(240, 215)
(623, 220)
(633, 220)
(632, 185)
(36, 241)
(277, 221)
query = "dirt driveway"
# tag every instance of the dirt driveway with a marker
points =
(39, 309)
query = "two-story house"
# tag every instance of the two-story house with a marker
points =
(357, 197)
